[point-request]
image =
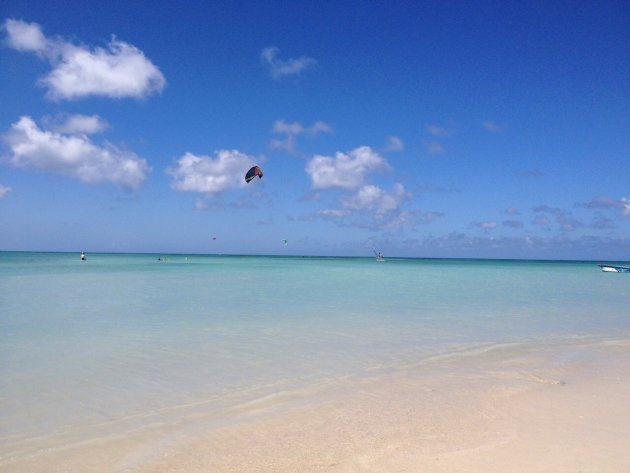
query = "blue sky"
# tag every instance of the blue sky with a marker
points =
(429, 129)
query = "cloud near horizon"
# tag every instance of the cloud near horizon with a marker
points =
(369, 203)
(374, 198)
(74, 156)
(116, 71)
(209, 175)
(622, 204)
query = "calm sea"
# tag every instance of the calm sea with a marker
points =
(120, 342)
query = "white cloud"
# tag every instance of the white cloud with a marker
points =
(372, 207)
(119, 70)
(374, 198)
(283, 127)
(279, 68)
(210, 175)
(394, 143)
(4, 190)
(292, 131)
(346, 171)
(73, 155)
(76, 124)
(380, 210)
(25, 36)
(625, 205)
(296, 128)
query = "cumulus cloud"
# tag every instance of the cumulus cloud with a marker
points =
(116, 71)
(279, 68)
(376, 199)
(210, 175)
(372, 207)
(74, 156)
(346, 171)
(293, 130)
(4, 190)
(369, 205)
(25, 36)
(76, 124)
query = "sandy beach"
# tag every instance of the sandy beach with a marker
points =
(512, 408)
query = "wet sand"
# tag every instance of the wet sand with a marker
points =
(536, 408)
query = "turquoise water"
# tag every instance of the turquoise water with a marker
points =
(120, 342)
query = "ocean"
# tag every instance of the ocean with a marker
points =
(124, 342)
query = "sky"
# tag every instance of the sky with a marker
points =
(420, 129)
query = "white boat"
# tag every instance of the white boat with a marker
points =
(609, 268)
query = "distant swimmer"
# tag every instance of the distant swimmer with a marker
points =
(83, 257)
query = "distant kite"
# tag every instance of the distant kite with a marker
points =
(284, 241)
(252, 173)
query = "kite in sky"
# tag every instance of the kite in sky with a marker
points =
(252, 173)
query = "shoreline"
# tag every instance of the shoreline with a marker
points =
(535, 408)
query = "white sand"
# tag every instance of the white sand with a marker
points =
(542, 409)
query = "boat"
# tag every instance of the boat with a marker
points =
(609, 268)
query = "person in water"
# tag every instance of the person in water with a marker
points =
(83, 257)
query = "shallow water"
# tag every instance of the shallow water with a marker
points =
(119, 342)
